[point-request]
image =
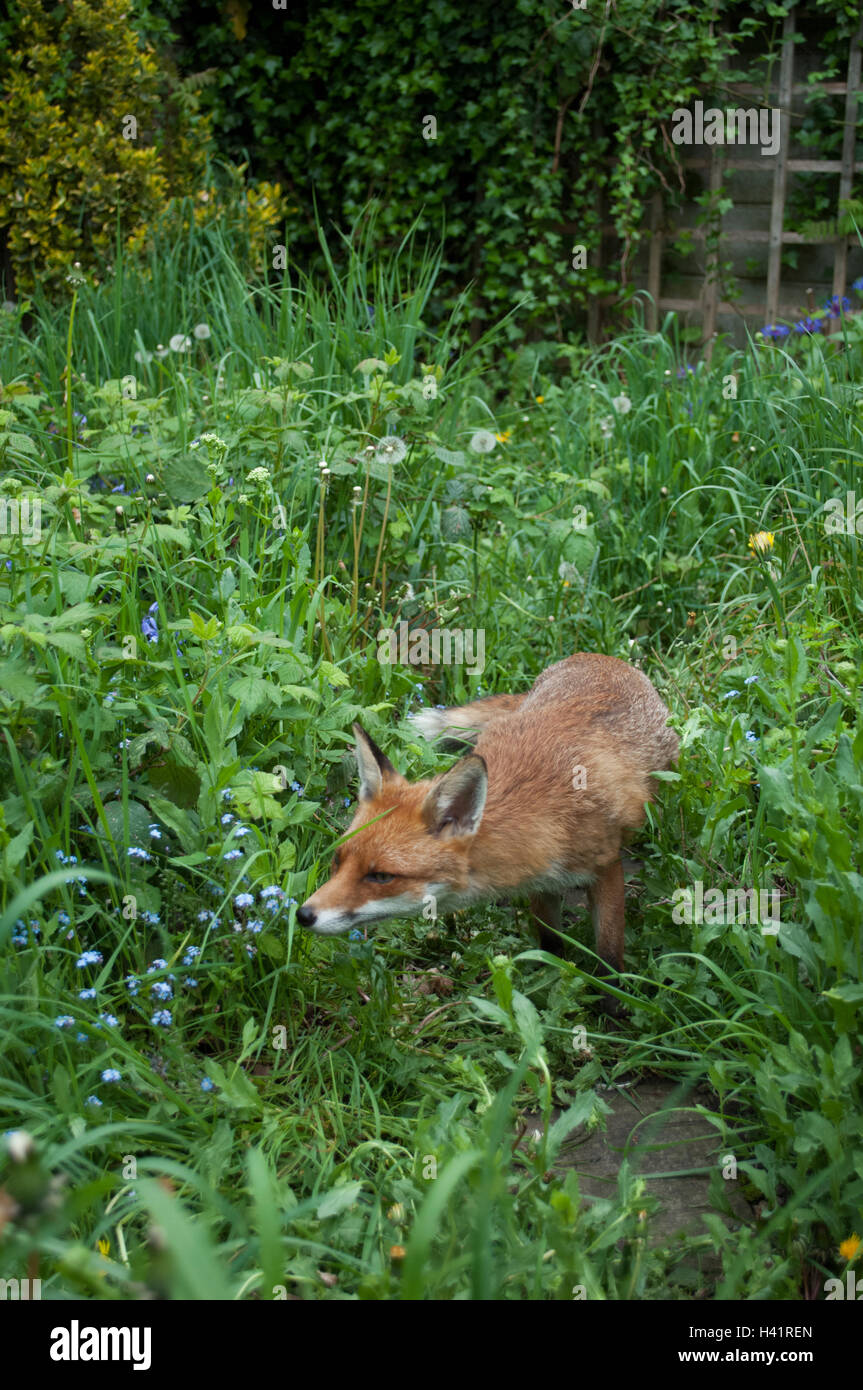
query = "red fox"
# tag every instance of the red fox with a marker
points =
(541, 805)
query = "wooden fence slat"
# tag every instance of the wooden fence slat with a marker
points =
(712, 264)
(780, 174)
(849, 143)
(654, 264)
(793, 166)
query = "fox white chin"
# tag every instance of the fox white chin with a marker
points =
(334, 921)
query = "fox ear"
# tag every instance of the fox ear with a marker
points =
(373, 765)
(455, 804)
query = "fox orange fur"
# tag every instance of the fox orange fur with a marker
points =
(542, 804)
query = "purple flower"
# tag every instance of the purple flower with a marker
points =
(836, 306)
(809, 326)
(148, 624)
(775, 331)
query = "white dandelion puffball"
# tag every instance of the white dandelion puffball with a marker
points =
(482, 442)
(391, 449)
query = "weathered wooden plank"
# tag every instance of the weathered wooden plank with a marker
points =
(793, 166)
(654, 262)
(711, 265)
(780, 175)
(849, 141)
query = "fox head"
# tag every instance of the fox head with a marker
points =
(418, 845)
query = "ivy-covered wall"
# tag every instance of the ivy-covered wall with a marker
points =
(538, 108)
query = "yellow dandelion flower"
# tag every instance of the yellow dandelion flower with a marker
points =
(848, 1248)
(502, 438)
(540, 399)
(104, 1247)
(761, 542)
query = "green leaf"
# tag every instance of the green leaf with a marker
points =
(254, 693)
(16, 850)
(333, 674)
(338, 1200)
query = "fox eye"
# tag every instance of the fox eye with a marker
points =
(379, 878)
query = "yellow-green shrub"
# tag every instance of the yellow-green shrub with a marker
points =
(72, 78)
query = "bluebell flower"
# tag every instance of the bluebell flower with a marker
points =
(132, 983)
(254, 925)
(162, 990)
(63, 918)
(89, 958)
(207, 1084)
(111, 1074)
(134, 852)
(151, 918)
(155, 832)
(244, 900)
(148, 624)
(272, 890)
(347, 801)
(355, 935)
(109, 1020)
(228, 818)
(750, 737)
(158, 964)
(730, 694)
(836, 306)
(82, 1037)
(750, 679)
(92, 1100)
(86, 994)
(775, 331)
(809, 325)
(64, 1021)
(298, 788)
(161, 1018)
(858, 285)
(241, 831)
(190, 983)
(192, 953)
(233, 854)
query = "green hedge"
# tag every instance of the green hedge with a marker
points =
(539, 108)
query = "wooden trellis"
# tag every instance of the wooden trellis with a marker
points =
(772, 308)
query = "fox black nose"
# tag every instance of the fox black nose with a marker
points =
(306, 916)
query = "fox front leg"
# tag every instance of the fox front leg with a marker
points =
(547, 911)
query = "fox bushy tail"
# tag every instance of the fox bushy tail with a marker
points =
(462, 725)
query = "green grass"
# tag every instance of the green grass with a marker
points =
(357, 1137)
